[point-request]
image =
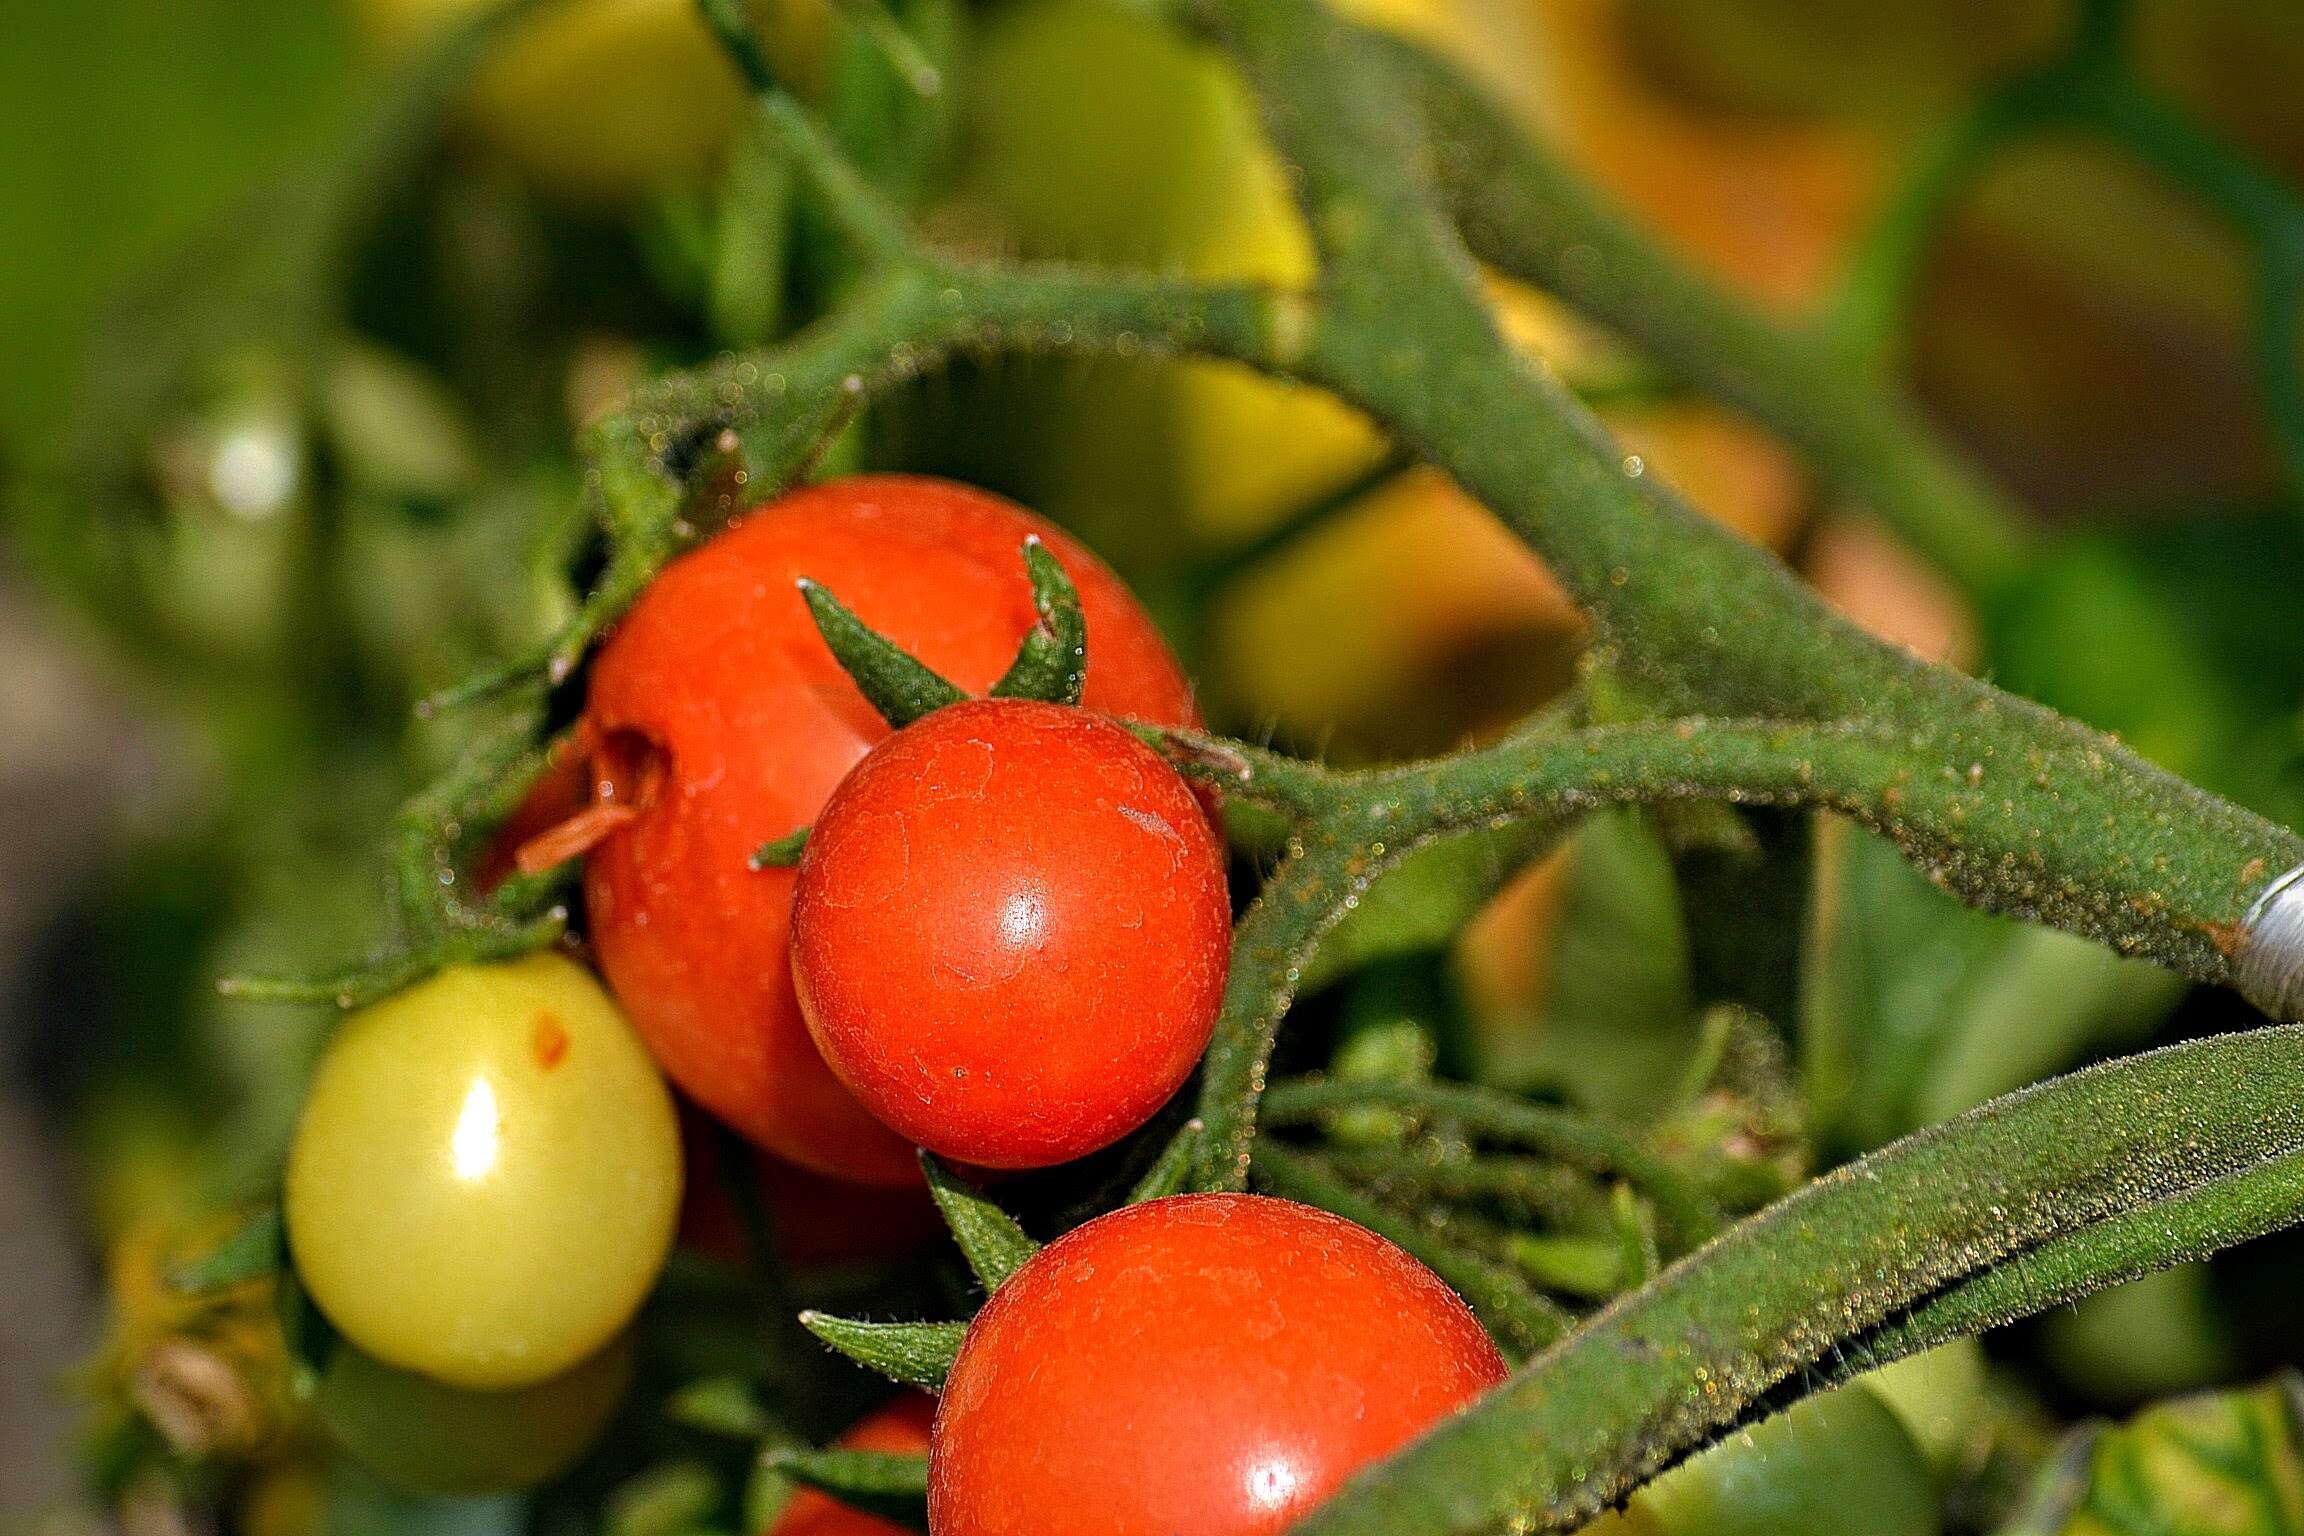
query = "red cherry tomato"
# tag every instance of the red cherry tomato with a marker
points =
(900, 1427)
(1208, 1363)
(813, 1221)
(724, 723)
(1010, 932)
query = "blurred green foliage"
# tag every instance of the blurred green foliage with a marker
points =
(431, 522)
(129, 122)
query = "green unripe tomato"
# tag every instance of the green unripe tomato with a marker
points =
(1832, 1465)
(485, 1177)
(421, 1436)
(1935, 1394)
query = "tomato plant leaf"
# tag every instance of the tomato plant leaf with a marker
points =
(783, 853)
(989, 1238)
(893, 681)
(665, 1500)
(2213, 1464)
(1618, 1016)
(916, 1354)
(888, 1484)
(256, 1248)
(1424, 901)
(719, 1405)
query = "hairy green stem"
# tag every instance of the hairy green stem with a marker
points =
(777, 407)
(2051, 829)
(1528, 1191)
(1526, 214)
(1667, 1368)
(1577, 1141)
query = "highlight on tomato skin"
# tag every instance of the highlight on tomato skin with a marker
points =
(1271, 1349)
(901, 1427)
(1010, 932)
(484, 1178)
(718, 683)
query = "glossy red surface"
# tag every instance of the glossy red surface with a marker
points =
(1010, 932)
(1211, 1364)
(902, 1426)
(718, 685)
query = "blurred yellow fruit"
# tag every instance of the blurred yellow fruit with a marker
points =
(2084, 325)
(1361, 611)
(599, 99)
(2235, 62)
(1501, 961)
(2083, 321)
(1387, 600)
(1767, 205)
(1854, 58)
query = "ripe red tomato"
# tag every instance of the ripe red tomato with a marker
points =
(724, 722)
(1208, 1363)
(1010, 932)
(813, 1221)
(900, 1427)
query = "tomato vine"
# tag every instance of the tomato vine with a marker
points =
(1714, 676)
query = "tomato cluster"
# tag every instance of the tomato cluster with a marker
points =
(725, 722)
(1005, 941)
(1009, 932)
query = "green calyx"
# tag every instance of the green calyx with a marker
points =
(1051, 663)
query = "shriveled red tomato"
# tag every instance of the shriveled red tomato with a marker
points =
(724, 722)
(1208, 1363)
(901, 1427)
(1010, 932)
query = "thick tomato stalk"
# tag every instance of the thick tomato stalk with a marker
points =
(1208, 1363)
(1010, 932)
(725, 723)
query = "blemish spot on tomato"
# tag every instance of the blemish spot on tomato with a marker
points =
(549, 1041)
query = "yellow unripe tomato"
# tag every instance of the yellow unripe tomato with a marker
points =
(421, 1436)
(1103, 134)
(601, 99)
(485, 1178)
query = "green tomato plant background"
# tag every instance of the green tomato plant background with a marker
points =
(318, 499)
